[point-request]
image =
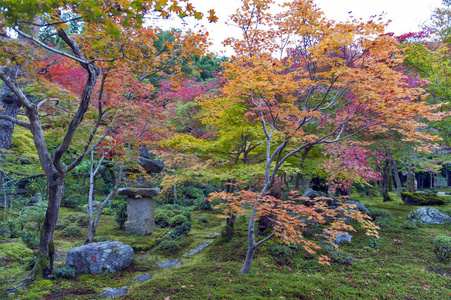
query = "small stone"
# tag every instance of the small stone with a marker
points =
(169, 263)
(196, 250)
(143, 277)
(111, 293)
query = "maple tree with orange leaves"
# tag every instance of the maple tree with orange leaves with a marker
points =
(305, 81)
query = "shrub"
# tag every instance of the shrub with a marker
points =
(410, 225)
(71, 200)
(279, 251)
(161, 219)
(381, 217)
(442, 248)
(341, 257)
(63, 223)
(31, 239)
(71, 231)
(178, 220)
(187, 214)
(169, 246)
(79, 219)
(202, 220)
(181, 230)
(108, 211)
(64, 272)
(120, 207)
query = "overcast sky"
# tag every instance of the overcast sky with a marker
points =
(406, 15)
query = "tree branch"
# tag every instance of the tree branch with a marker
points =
(16, 121)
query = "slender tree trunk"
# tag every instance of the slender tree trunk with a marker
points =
(397, 178)
(46, 251)
(386, 175)
(251, 242)
(410, 179)
(297, 181)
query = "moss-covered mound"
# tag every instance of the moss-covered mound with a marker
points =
(422, 199)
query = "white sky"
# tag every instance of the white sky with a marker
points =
(406, 15)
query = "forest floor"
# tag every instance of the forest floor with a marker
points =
(399, 265)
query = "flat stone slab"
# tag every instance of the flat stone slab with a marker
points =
(143, 277)
(201, 247)
(111, 293)
(169, 264)
(215, 235)
(142, 192)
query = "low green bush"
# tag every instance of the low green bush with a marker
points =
(178, 220)
(80, 219)
(161, 219)
(31, 239)
(341, 257)
(71, 231)
(72, 200)
(442, 248)
(410, 225)
(181, 230)
(64, 272)
(169, 246)
(202, 220)
(187, 214)
(279, 251)
(381, 217)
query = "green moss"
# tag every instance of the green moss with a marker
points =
(422, 199)
(115, 250)
(71, 231)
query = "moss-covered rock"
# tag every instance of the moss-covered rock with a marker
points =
(423, 199)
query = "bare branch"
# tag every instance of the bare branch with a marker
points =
(16, 121)
(265, 239)
(51, 24)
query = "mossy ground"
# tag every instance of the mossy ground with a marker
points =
(403, 267)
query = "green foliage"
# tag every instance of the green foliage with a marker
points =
(169, 246)
(374, 242)
(31, 239)
(187, 214)
(442, 248)
(381, 217)
(64, 272)
(279, 251)
(72, 200)
(410, 225)
(181, 230)
(161, 219)
(71, 231)
(120, 207)
(80, 219)
(178, 220)
(202, 220)
(341, 257)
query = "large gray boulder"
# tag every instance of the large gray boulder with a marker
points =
(312, 194)
(100, 258)
(341, 237)
(428, 215)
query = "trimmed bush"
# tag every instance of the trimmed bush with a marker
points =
(410, 225)
(381, 217)
(71, 231)
(187, 214)
(279, 251)
(178, 220)
(64, 272)
(80, 219)
(442, 248)
(31, 239)
(181, 230)
(341, 257)
(169, 246)
(161, 219)
(202, 220)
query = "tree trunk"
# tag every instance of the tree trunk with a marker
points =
(386, 175)
(251, 243)
(410, 179)
(46, 250)
(397, 178)
(297, 181)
